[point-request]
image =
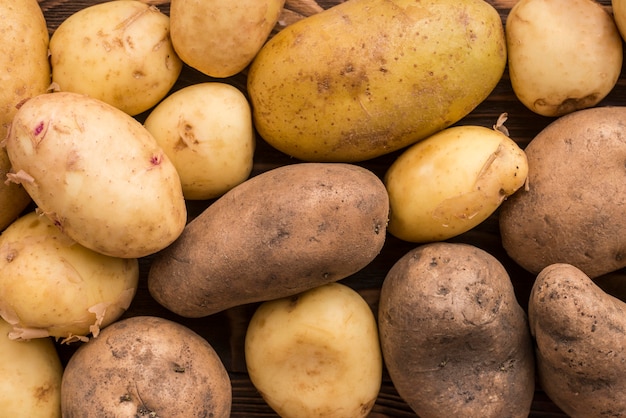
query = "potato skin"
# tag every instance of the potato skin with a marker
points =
(368, 77)
(454, 339)
(279, 233)
(13, 197)
(146, 365)
(580, 343)
(571, 210)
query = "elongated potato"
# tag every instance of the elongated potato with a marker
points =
(454, 338)
(97, 173)
(580, 343)
(277, 234)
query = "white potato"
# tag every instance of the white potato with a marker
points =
(451, 182)
(206, 131)
(31, 377)
(119, 52)
(51, 286)
(316, 354)
(563, 55)
(97, 173)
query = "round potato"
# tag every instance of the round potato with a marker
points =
(564, 55)
(119, 52)
(146, 367)
(31, 377)
(51, 286)
(452, 181)
(97, 173)
(455, 340)
(279, 233)
(206, 131)
(316, 354)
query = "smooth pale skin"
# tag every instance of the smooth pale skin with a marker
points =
(97, 173)
(368, 77)
(571, 211)
(580, 342)
(24, 72)
(119, 52)
(206, 131)
(454, 339)
(146, 366)
(452, 181)
(316, 354)
(51, 286)
(220, 38)
(31, 377)
(564, 55)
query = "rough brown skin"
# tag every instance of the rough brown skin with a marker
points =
(146, 367)
(454, 338)
(571, 211)
(277, 234)
(580, 343)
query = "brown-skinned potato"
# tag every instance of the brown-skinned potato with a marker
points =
(580, 340)
(279, 233)
(570, 211)
(454, 338)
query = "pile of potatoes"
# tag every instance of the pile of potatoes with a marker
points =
(121, 178)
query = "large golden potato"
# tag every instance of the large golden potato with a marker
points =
(367, 77)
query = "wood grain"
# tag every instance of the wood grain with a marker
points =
(226, 330)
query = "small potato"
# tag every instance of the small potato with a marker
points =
(451, 182)
(580, 343)
(232, 32)
(146, 367)
(31, 373)
(454, 339)
(13, 197)
(563, 55)
(206, 131)
(119, 52)
(279, 233)
(571, 211)
(51, 286)
(316, 354)
(97, 173)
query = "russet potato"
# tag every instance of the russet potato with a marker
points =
(368, 77)
(97, 173)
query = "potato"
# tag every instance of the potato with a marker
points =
(580, 343)
(51, 286)
(24, 72)
(564, 55)
(619, 16)
(571, 210)
(146, 366)
(232, 32)
(31, 377)
(97, 173)
(206, 131)
(452, 181)
(316, 354)
(119, 52)
(277, 234)
(368, 77)
(454, 339)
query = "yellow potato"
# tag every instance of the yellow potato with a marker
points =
(51, 286)
(564, 55)
(97, 173)
(316, 354)
(367, 77)
(452, 181)
(31, 377)
(119, 52)
(220, 38)
(206, 130)
(13, 197)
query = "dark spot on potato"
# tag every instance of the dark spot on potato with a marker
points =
(433, 262)
(39, 128)
(178, 368)
(125, 398)
(44, 392)
(293, 302)
(156, 159)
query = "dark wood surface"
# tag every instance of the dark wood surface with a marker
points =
(226, 330)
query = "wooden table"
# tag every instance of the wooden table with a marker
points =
(226, 330)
